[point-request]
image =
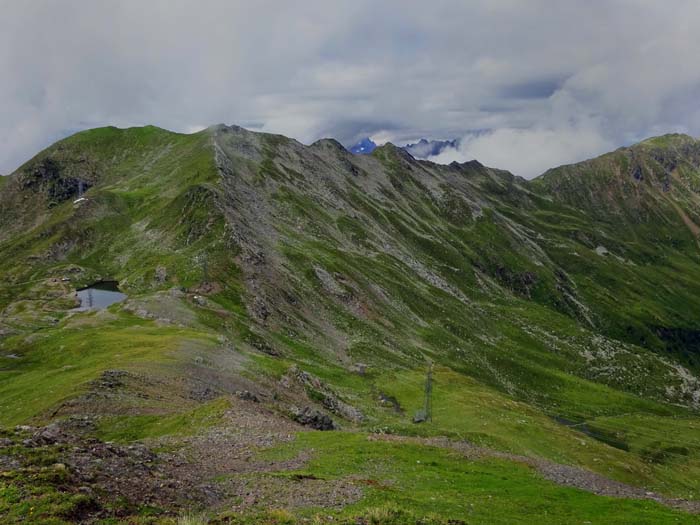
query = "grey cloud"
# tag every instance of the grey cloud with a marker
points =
(543, 88)
(548, 82)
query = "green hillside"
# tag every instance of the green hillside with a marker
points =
(285, 303)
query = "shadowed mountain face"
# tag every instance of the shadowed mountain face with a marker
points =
(320, 282)
(653, 182)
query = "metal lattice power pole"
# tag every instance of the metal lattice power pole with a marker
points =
(204, 264)
(426, 413)
(205, 268)
(428, 407)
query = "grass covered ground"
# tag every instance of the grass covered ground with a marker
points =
(402, 477)
(437, 484)
(59, 364)
(402, 482)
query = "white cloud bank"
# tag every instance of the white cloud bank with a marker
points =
(527, 152)
(528, 84)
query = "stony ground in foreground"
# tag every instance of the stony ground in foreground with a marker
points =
(238, 470)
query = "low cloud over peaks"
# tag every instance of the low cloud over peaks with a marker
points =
(544, 83)
(527, 152)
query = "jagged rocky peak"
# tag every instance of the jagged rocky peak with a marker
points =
(329, 143)
(424, 148)
(363, 147)
(470, 164)
(391, 148)
(421, 149)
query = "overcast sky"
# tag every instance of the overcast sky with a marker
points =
(525, 84)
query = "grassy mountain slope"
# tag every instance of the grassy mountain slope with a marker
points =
(303, 281)
(645, 203)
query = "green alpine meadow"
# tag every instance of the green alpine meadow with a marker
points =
(231, 327)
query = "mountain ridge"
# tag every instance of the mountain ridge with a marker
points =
(649, 141)
(308, 287)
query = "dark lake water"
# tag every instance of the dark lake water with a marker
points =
(99, 295)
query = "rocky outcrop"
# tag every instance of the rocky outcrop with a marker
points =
(48, 177)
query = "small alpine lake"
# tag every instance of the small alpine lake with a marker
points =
(99, 295)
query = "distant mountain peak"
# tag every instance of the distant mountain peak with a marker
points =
(425, 148)
(422, 149)
(364, 146)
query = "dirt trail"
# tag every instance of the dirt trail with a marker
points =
(230, 454)
(222, 468)
(565, 475)
(224, 465)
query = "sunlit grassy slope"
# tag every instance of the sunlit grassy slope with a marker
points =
(415, 480)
